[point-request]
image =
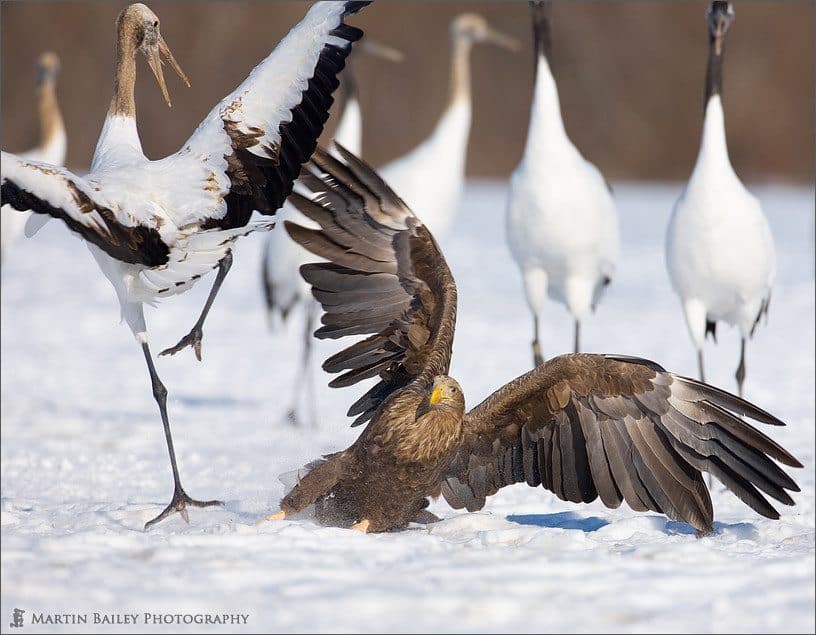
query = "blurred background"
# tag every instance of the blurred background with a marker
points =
(630, 76)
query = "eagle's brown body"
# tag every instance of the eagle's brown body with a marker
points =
(582, 426)
(388, 474)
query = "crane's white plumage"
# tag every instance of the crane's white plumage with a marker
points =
(562, 225)
(182, 202)
(430, 177)
(719, 248)
(155, 227)
(50, 149)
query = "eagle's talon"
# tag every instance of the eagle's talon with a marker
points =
(361, 526)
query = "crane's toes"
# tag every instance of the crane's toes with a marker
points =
(179, 505)
(192, 339)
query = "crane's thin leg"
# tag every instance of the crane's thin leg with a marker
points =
(741, 368)
(180, 498)
(193, 338)
(305, 378)
(311, 386)
(577, 336)
(538, 359)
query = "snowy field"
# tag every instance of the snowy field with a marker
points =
(84, 463)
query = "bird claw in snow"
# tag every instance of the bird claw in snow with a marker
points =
(179, 505)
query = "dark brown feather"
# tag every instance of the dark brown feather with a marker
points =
(583, 426)
(386, 277)
(622, 429)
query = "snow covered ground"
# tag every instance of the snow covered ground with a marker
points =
(84, 463)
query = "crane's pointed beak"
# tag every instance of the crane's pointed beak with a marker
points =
(155, 63)
(48, 66)
(154, 60)
(500, 39)
(165, 51)
(719, 34)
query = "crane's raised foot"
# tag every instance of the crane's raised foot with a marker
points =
(192, 339)
(179, 504)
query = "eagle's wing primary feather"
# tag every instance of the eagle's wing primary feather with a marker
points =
(619, 428)
(386, 278)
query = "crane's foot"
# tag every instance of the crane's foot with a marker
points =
(192, 339)
(740, 376)
(292, 417)
(179, 505)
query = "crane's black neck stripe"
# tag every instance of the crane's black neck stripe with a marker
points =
(541, 11)
(714, 69)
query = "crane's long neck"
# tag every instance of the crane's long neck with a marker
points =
(713, 146)
(119, 141)
(542, 39)
(714, 69)
(123, 103)
(713, 155)
(460, 72)
(546, 132)
(450, 136)
(52, 129)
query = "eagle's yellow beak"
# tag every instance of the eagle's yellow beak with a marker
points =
(437, 394)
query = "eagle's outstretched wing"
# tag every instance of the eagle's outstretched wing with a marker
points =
(619, 428)
(385, 277)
